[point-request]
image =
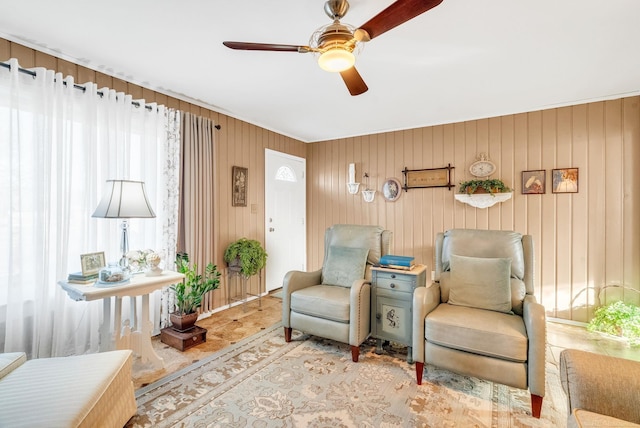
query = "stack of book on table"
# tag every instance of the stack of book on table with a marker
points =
(79, 278)
(397, 262)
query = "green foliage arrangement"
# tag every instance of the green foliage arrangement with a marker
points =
(190, 292)
(618, 319)
(251, 255)
(490, 186)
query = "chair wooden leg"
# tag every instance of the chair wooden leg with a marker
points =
(355, 353)
(536, 405)
(419, 371)
(287, 334)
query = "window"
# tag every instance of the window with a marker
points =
(285, 173)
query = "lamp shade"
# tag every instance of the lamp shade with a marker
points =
(124, 199)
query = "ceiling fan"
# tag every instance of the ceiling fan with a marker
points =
(335, 43)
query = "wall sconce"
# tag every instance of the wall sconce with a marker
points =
(368, 194)
(352, 186)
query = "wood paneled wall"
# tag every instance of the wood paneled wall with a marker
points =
(583, 241)
(237, 143)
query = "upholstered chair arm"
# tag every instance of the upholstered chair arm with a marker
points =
(425, 300)
(360, 312)
(601, 384)
(535, 323)
(293, 281)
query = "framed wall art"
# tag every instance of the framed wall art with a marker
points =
(565, 180)
(239, 182)
(432, 177)
(533, 182)
(391, 189)
(91, 263)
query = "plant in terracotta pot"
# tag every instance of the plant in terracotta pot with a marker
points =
(189, 293)
(490, 186)
(246, 255)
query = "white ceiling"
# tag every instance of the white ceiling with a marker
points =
(463, 60)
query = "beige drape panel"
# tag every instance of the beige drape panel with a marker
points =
(197, 177)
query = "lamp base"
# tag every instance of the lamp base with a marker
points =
(124, 245)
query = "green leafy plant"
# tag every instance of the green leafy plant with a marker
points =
(190, 292)
(490, 186)
(618, 319)
(250, 254)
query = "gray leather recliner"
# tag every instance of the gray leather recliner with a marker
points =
(334, 302)
(457, 327)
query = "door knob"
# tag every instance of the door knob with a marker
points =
(271, 229)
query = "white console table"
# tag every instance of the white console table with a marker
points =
(138, 340)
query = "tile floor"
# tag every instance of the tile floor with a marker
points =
(224, 328)
(561, 335)
(232, 325)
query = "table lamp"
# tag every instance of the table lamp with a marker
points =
(124, 199)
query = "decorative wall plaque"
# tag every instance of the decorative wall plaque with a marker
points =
(423, 178)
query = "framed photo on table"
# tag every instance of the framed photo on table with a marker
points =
(92, 263)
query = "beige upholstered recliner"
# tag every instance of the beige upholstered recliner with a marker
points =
(602, 391)
(480, 317)
(334, 302)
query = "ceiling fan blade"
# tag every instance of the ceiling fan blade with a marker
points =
(397, 13)
(266, 47)
(354, 81)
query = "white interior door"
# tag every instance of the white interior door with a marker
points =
(285, 211)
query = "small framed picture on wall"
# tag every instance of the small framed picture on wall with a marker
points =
(239, 182)
(565, 180)
(533, 182)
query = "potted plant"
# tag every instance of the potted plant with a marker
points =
(189, 293)
(490, 186)
(618, 319)
(246, 255)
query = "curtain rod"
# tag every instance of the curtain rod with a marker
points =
(75, 85)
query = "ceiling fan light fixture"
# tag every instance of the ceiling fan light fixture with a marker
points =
(336, 60)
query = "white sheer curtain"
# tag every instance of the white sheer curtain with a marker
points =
(59, 145)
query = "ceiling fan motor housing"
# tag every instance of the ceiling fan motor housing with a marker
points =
(335, 35)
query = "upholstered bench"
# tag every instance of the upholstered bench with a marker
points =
(93, 390)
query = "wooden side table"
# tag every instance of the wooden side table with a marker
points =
(391, 304)
(123, 337)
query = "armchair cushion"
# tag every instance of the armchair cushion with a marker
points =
(481, 283)
(323, 301)
(518, 292)
(344, 265)
(481, 332)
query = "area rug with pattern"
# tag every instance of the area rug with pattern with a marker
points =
(312, 382)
